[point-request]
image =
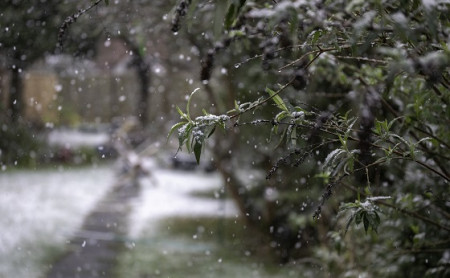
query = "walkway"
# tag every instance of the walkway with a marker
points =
(94, 248)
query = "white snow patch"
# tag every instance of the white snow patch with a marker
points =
(171, 197)
(75, 138)
(376, 198)
(40, 210)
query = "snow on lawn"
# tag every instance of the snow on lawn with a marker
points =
(77, 138)
(40, 210)
(172, 196)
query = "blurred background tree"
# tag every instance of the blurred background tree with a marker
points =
(29, 31)
(43, 33)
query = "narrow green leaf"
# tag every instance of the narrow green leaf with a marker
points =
(392, 122)
(277, 99)
(374, 220)
(188, 105)
(294, 136)
(175, 127)
(211, 132)
(233, 12)
(281, 137)
(377, 128)
(332, 157)
(280, 116)
(349, 222)
(412, 150)
(182, 114)
(184, 137)
(359, 216)
(316, 35)
(230, 16)
(347, 206)
(385, 125)
(236, 106)
(343, 142)
(349, 129)
(350, 164)
(366, 222)
(274, 130)
(197, 151)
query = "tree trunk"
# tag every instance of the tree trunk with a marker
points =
(143, 71)
(15, 95)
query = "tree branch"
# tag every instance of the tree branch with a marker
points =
(404, 211)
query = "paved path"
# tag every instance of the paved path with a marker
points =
(93, 250)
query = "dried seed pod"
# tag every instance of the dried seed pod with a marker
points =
(180, 12)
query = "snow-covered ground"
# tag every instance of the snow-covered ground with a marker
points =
(40, 210)
(71, 138)
(168, 194)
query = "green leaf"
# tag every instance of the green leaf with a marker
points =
(323, 175)
(274, 131)
(350, 165)
(366, 222)
(347, 206)
(384, 124)
(197, 151)
(230, 16)
(280, 116)
(332, 157)
(359, 216)
(236, 34)
(281, 137)
(188, 105)
(412, 150)
(349, 222)
(107, 2)
(233, 12)
(349, 129)
(392, 122)
(211, 132)
(315, 36)
(182, 114)
(236, 106)
(415, 229)
(184, 136)
(374, 220)
(277, 99)
(377, 128)
(175, 127)
(343, 141)
(294, 136)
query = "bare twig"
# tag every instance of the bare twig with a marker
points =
(365, 59)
